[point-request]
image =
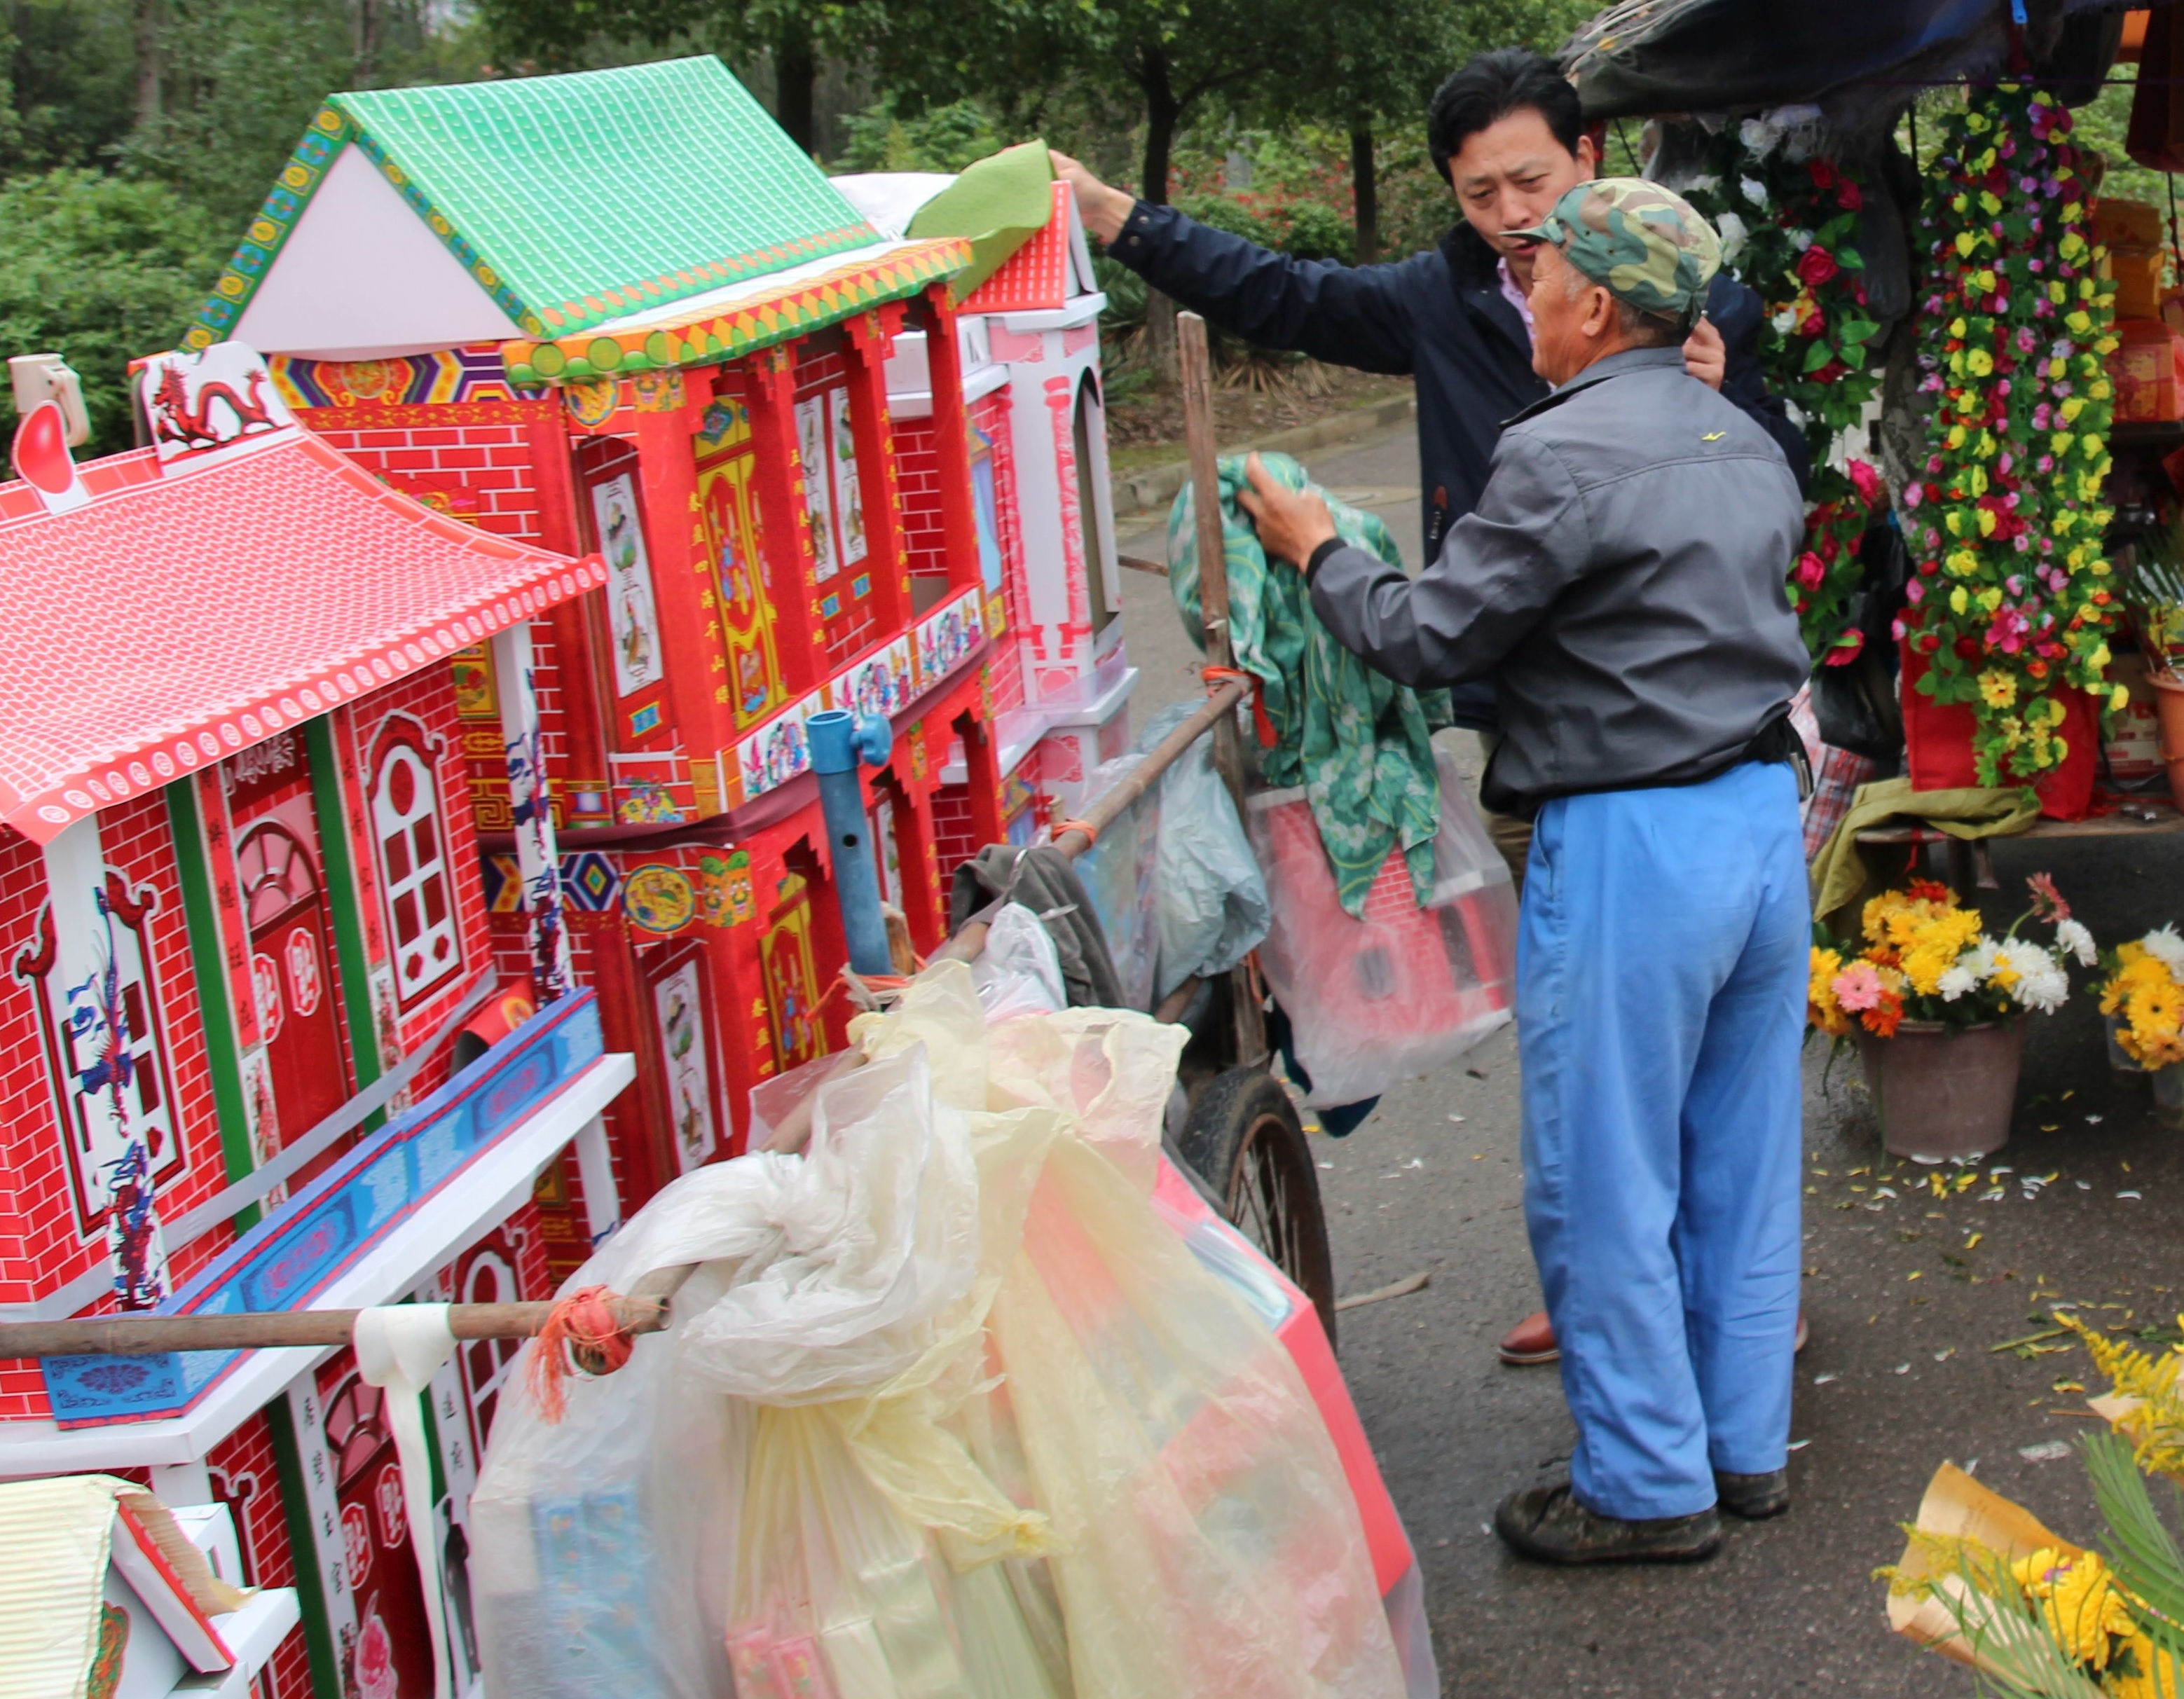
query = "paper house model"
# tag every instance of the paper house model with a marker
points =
(620, 313)
(264, 1047)
(106, 1592)
(1030, 342)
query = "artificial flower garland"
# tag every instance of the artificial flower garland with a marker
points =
(1787, 225)
(2013, 600)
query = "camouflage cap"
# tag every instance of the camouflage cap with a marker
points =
(1639, 242)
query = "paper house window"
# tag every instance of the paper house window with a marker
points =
(489, 1279)
(418, 889)
(99, 1017)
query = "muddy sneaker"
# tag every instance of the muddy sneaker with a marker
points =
(1753, 1497)
(1548, 1524)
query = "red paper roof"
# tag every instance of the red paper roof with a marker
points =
(172, 621)
(1037, 274)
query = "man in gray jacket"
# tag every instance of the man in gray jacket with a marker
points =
(1622, 581)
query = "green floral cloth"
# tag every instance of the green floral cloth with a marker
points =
(1358, 742)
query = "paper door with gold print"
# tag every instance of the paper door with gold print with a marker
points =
(724, 458)
(792, 979)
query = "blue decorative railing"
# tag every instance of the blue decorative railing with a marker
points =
(323, 1230)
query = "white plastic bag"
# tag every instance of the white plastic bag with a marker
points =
(1019, 971)
(1118, 875)
(1402, 989)
(1210, 907)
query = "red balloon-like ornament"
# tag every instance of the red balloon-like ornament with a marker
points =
(41, 453)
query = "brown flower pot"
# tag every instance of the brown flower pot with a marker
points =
(2169, 707)
(1941, 1090)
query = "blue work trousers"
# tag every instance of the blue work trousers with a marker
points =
(1661, 971)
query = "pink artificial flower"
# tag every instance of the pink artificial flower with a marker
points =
(1857, 987)
(1915, 593)
(1869, 490)
(1812, 570)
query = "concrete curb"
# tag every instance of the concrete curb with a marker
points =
(1150, 491)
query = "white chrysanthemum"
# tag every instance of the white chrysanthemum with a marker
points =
(1801, 240)
(1734, 233)
(1755, 192)
(2165, 947)
(1956, 981)
(1786, 321)
(2072, 937)
(1980, 959)
(2044, 992)
(1704, 184)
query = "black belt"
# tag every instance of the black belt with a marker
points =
(1775, 741)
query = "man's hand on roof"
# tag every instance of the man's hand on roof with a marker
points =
(1291, 523)
(1706, 355)
(1105, 210)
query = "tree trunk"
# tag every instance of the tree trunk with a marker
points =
(795, 75)
(150, 95)
(1163, 116)
(371, 30)
(1365, 187)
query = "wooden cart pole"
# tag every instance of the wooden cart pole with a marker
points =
(1213, 615)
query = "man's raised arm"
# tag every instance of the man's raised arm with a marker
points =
(1353, 315)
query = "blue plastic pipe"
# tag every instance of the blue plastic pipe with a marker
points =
(839, 740)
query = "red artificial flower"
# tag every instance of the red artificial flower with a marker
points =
(1816, 265)
(1968, 648)
(1868, 481)
(1846, 648)
(1823, 174)
(1850, 198)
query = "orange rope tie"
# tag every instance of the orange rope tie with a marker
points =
(1091, 832)
(1216, 676)
(583, 1320)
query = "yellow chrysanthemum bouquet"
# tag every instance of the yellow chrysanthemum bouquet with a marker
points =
(2143, 998)
(1983, 1583)
(1925, 957)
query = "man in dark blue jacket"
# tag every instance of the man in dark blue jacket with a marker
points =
(1506, 132)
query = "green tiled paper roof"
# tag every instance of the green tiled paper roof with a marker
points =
(576, 199)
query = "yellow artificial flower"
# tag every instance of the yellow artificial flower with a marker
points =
(1981, 363)
(1957, 325)
(2057, 294)
(1986, 521)
(1823, 1010)
(2156, 1674)
(2079, 1597)
(1965, 241)
(1962, 564)
(1959, 601)
(2071, 409)
(1997, 689)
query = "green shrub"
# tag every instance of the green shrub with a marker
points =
(101, 269)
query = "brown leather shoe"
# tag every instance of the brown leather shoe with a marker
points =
(1531, 1342)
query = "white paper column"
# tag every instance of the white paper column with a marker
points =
(536, 854)
(85, 948)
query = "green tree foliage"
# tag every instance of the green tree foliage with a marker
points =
(101, 270)
(946, 138)
(68, 95)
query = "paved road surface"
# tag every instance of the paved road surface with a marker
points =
(1899, 1375)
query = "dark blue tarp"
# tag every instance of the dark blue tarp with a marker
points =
(1668, 56)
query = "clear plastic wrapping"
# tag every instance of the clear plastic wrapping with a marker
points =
(1401, 989)
(948, 1411)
